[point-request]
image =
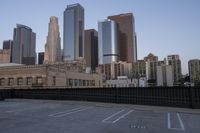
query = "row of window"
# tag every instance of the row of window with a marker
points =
(119, 85)
(20, 81)
(79, 82)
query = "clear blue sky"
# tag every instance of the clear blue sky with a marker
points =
(163, 27)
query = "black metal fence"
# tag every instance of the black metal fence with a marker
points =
(187, 97)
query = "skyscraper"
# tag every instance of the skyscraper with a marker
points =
(52, 46)
(108, 44)
(91, 48)
(8, 45)
(73, 32)
(127, 36)
(24, 45)
(41, 58)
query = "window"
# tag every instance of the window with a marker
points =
(70, 82)
(29, 81)
(10, 81)
(19, 81)
(54, 80)
(39, 80)
(2, 82)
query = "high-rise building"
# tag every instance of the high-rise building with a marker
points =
(91, 48)
(127, 36)
(53, 46)
(194, 71)
(151, 57)
(138, 69)
(175, 62)
(151, 64)
(41, 58)
(73, 32)
(164, 75)
(8, 45)
(112, 70)
(24, 45)
(108, 44)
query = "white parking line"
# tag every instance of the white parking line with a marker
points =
(106, 120)
(64, 111)
(122, 116)
(61, 114)
(180, 121)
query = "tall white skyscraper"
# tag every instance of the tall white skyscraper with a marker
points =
(53, 46)
(73, 32)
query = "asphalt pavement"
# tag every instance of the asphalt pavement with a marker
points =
(49, 116)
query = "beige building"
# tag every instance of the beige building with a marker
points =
(175, 62)
(139, 69)
(164, 75)
(5, 56)
(52, 75)
(52, 47)
(194, 71)
(111, 71)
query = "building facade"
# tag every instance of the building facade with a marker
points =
(91, 48)
(121, 81)
(108, 44)
(4, 56)
(175, 62)
(53, 46)
(24, 45)
(194, 71)
(73, 32)
(8, 45)
(139, 69)
(65, 75)
(112, 71)
(127, 36)
(164, 75)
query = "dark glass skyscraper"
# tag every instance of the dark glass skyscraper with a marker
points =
(91, 48)
(73, 31)
(41, 58)
(24, 45)
(127, 36)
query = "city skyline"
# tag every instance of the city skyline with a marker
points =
(169, 29)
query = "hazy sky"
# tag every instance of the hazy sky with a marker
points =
(163, 27)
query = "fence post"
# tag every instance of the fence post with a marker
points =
(116, 94)
(192, 97)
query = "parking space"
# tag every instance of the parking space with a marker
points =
(39, 116)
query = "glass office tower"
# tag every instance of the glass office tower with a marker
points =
(24, 45)
(108, 43)
(73, 32)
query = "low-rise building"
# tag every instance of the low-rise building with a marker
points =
(47, 75)
(121, 81)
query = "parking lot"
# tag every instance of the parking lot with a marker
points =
(48, 116)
